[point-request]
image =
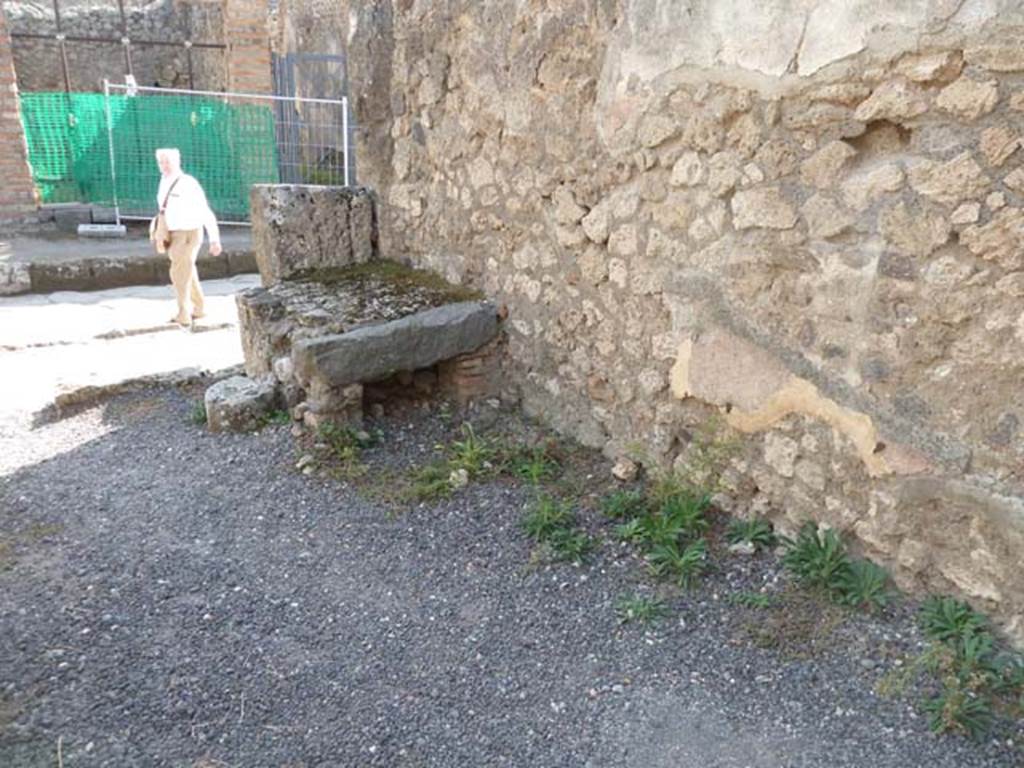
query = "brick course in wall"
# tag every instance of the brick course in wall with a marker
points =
(17, 193)
(248, 60)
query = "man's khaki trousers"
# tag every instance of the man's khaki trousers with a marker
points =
(184, 249)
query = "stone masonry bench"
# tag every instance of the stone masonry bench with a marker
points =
(332, 317)
(414, 342)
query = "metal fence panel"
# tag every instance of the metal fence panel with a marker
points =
(100, 148)
(309, 143)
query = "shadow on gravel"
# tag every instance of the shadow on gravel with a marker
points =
(115, 414)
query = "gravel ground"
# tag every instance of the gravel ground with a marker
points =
(173, 598)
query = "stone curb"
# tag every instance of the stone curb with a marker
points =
(100, 274)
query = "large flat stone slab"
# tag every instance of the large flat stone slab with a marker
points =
(410, 343)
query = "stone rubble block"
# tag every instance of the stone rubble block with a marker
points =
(765, 208)
(14, 278)
(895, 100)
(407, 344)
(968, 98)
(334, 405)
(236, 404)
(300, 229)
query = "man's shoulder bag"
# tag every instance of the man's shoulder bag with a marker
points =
(159, 234)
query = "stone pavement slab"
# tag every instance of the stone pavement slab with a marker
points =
(80, 316)
(56, 343)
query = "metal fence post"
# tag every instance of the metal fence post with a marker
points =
(110, 146)
(344, 133)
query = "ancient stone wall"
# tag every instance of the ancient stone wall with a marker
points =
(37, 61)
(17, 193)
(805, 217)
(308, 26)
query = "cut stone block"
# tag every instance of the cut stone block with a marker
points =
(236, 404)
(298, 230)
(102, 215)
(410, 343)
(14, 278)
(68, 217)
(336, 405)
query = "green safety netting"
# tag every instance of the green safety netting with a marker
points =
(228, 147)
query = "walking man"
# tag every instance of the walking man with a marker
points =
(187, 214)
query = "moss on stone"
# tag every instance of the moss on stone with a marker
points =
(394, 275)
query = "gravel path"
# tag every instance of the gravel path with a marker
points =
(172, 598)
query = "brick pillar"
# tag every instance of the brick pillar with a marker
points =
(17, 192)
(472, 376)
(248, 54)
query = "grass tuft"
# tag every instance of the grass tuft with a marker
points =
(684, 567)
(756, 531)
(623, 505)
(275, 418)
(551, 523)
(570, 544)
(976, 680)
(818, 560)
(197, 414)
(432, 482)
(472, 453)
(947, 620)
(639, 609)
(750, 599)
(535, 465)
(343, 447)
(547, 515)
(864, 585)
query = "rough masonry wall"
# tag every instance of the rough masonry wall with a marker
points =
(37, 61)
(17, 193)
(805, 217)
(308, 26)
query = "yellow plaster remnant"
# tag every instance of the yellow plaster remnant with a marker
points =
(799, 396)
(679, 376)
(726, 355)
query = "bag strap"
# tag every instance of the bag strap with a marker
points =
(167, 197)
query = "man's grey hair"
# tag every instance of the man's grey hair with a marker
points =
(171, 153)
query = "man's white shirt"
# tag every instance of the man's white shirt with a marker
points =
(187, 207)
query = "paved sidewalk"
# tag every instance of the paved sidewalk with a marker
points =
(50, 262)
(60, 342)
